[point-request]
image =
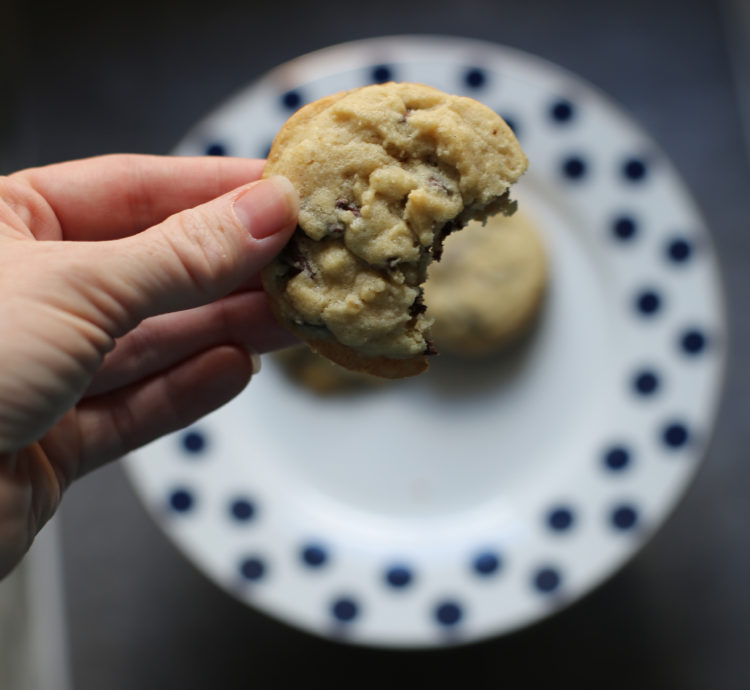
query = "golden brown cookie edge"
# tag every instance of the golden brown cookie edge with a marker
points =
(384, 367)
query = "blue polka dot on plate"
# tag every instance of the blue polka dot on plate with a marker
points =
(399, 576)
(216, 149)
(242, 509)
(617, 458)
(381, 74)
(513, 123)
(314, 555)
(344, 609)
(624, 228)
(675, 435)
(181, 500)
(475, 78)
(693, 342)
(648, 302)
(292, 100)
(193, 442)
(634, 170)
(624, 517)
(252, 568)
(547, 579)
(679, 250)
(448, 613)
(560, 518)
(487, 563)
(646, 382)
(562, 111)
(574, 167)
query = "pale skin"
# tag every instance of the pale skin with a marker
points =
(130, 305)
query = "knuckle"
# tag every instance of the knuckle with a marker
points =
(135, 352)
(124, 425)
(173, 402)
(23, 208)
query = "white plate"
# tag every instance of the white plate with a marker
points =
(476, 499)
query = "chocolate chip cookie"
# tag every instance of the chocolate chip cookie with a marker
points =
(384, 173)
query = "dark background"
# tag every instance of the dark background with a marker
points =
(78, 80)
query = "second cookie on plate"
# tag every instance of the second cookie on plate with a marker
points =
(488, 288)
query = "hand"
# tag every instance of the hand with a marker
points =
(124, 316)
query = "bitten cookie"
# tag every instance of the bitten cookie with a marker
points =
(487, 290)
(384, 173)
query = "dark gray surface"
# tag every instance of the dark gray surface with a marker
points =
(135, 79)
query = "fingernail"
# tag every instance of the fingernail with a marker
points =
(267, 207)
(255, 359)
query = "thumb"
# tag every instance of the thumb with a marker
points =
(195, 256)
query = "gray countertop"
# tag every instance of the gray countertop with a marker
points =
(135, 76)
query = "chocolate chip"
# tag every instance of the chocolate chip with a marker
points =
(437, 182)
(348, 206)
(417, 306)
(291, 271)
(440, 235)
(319, 329)
(295, 259)
(430, 349)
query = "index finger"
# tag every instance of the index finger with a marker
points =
(108, 197)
